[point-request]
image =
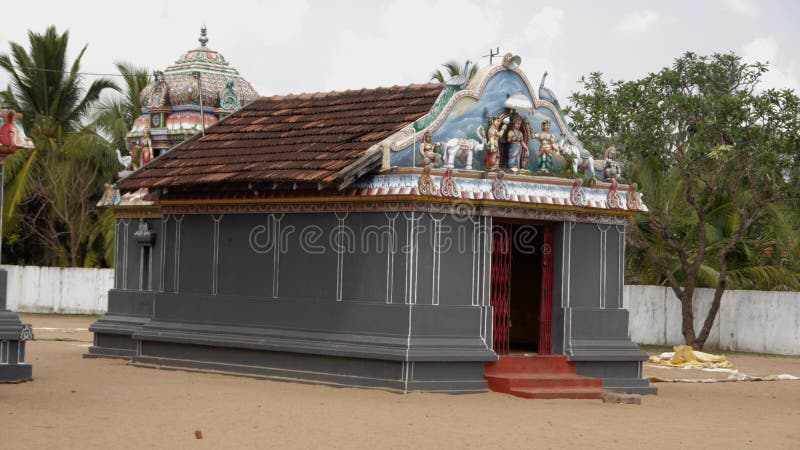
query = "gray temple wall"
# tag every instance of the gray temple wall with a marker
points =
(390, 286)
(590, 324)
(405, 288)
(137, 267)
(405, 258)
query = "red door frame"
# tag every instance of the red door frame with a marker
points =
(500, 288)
(501, 284)
(546, 305)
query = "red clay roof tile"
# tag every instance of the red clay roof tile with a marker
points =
(309, 137)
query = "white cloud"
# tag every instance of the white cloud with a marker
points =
(761, 49)
(285, 46)
(536, 46)
(544, 25)
(413, 37)
(748, 8)
(782, 73)
(278, 21)
(637, 22)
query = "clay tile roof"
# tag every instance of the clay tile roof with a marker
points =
(308, 138)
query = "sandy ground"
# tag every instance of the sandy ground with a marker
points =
(77, 403)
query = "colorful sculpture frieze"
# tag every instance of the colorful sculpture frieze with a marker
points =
(156, 94)
(493, 143)
(229, 98)
(499, 188)
(612, 164)
(517, 146)
(428, 151)
(463, 149)
(425, 184)
(547, 148)
(449, 187)
(524, 133)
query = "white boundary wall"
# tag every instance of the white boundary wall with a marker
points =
(58, 290)
(748, 321)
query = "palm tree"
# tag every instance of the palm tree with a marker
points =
(49, 91)
(767, 258)
(115, 116)
(453, 68)
(45, 88)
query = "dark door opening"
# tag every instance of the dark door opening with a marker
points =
(521, 293)
(526, 288)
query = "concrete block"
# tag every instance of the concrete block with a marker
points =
(616, 397)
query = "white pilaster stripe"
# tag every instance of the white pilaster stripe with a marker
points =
(215, 256)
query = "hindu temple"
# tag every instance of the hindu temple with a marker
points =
(449, 237)
(194, 93)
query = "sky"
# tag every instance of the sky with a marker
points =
(294, 46)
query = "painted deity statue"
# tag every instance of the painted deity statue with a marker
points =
(229, 98)
(160, 93)
(427, 150)
(493, 143)
(145, 149)
(547, 146)
(612, 167)
(147, 153)
(136, 156)
(517, 147)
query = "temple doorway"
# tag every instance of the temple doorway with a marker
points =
(521, 287)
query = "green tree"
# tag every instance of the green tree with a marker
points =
(46, 88)
(61, 213)
(42, 184)
(114, 118)
(49, 91)
(115, 115)
(713, 156)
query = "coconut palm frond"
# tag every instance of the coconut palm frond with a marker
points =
(707, 276)
(452, 69)
(438, 76)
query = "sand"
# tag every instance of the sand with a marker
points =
(77, 403)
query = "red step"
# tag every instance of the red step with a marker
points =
(541, 381)
(531, 364)
(540, 376)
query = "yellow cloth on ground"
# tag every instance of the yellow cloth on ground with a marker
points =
(685, 356)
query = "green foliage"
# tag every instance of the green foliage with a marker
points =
(50, 192)
(115, 115)
(61, 214)
(566, 170)
(46, 88)
(452, 68)
(716, 161)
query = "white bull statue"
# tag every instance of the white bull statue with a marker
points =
(463, 148)
(582, 160)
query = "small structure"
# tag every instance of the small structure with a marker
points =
(189, 96)
(13, 333)
(383, 237)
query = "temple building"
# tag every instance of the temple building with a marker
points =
(435, 237)
(194, 93)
